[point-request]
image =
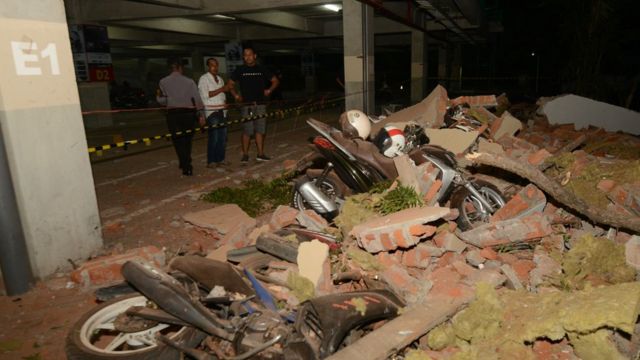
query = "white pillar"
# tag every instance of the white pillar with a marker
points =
(359, 80)
(418, 65)
(43, 132)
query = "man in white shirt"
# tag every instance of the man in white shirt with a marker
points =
(212, 90)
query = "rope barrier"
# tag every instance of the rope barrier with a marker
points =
(321, 104)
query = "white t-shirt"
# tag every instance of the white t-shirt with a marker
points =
(208, 83)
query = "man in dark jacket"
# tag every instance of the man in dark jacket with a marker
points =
(252, 78)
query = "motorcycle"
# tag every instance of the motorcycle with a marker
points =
(208, 309)
(340, 166)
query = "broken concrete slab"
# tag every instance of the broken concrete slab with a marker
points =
(507, 124)
(584, 112)
(429, 113)
(449, 242)
(632, 252)
(408, 173)
(402, 229)
(455, 140)
(221, 219)
(531, 227)
(473, 101)
(485, 145)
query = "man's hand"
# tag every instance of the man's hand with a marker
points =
(238, 98)
(201, 120)
(267, 92)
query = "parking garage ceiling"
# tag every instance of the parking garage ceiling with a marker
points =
(159, 26)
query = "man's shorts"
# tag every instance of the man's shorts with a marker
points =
(254, 126)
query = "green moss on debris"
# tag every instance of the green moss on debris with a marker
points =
(254, 197)
(365, 260)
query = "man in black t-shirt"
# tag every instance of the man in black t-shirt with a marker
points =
(252, 78)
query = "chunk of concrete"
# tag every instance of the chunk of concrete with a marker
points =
(221, 219)
(507, 124)
(455, 140)
(512, 278)
(429, 113)
(584, 112)
(311, 258)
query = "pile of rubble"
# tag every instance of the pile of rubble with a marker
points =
(552, 275)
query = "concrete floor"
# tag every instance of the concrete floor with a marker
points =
(142, 196)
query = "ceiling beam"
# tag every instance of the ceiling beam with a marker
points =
(117, 33)
(180, 4)
(284, 20)
(112, 10)
(183, 25)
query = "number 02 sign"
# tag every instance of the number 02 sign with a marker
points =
(29, 60)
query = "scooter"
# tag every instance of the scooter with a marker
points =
(188, 313)
(340, 166)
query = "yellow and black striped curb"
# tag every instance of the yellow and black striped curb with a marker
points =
(282, 113)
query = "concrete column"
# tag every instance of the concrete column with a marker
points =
(442, 65)
(197, 65)
(418, 66)
(456, 68)
(44, 136)
(359, 80)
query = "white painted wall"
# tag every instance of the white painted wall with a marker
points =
(44, 135)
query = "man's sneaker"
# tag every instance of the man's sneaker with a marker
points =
(263, 158)
(245, 159)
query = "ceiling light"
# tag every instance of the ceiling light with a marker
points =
(332, 7)
(225, 17)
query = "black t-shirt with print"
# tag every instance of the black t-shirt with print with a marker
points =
(252, 80)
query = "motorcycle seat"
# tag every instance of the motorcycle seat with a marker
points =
(368, 153)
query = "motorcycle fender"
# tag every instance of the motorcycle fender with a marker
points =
(330, 318)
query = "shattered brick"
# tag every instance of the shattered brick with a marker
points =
(394, 230)
(545, 267)
(489, 254)
(527, 201)
(221, 219)
(106, 269)
(527, 228)
(403, 284)
(419, 256)
(311, 220)
(449, 242)
(463, 268)
(474, 257)
(513, 282)
(538, 157)
(283, 216)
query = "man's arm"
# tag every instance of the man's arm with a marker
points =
(231, 85)
(274, 84)
(161, 96)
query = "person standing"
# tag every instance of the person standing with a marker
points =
(252, 78)
(212, 90)
(182, 99)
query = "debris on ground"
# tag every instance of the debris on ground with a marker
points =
(552, 271)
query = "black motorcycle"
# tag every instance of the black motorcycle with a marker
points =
(340, 166)
(186, 313)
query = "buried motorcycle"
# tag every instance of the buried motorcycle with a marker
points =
(340, 166)
(188, 313)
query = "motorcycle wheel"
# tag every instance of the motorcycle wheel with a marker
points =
(327, 186)
(472, 212)
(95, 337)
